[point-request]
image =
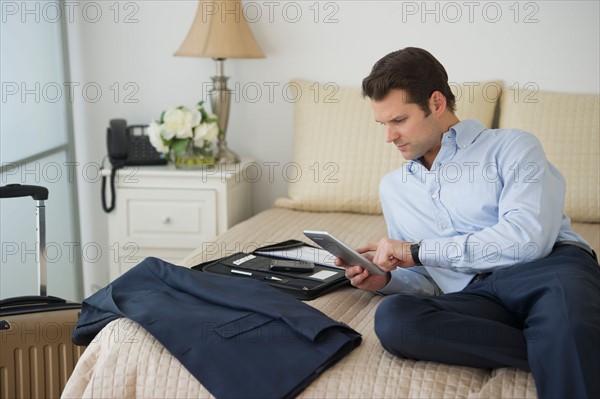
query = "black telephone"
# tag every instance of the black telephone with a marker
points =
(127, 145)
(130, 145)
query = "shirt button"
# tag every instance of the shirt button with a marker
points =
(434, 196)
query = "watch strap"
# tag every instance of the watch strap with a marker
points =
(414, 251)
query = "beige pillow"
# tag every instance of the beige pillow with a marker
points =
(477, 100)
(568, 125)
(341, 151)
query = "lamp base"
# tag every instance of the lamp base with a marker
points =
(220, 100)
(225, 155)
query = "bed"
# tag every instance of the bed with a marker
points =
(125, 361)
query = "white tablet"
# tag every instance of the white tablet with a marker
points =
(338, 248)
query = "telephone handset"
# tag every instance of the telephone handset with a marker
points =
(116, 142)
(127, 145)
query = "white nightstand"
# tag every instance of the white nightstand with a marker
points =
(165, 212)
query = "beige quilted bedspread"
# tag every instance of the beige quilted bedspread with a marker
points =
(125, 361)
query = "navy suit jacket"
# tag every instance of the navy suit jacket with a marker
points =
(239, 337)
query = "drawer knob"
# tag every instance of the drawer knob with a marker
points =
(166, 220)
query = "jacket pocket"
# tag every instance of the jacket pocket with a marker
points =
(242, 325)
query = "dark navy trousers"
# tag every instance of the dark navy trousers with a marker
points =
(542, 316)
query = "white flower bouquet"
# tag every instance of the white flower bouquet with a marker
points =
(188, 134)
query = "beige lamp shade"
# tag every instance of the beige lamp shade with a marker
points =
(220, 30)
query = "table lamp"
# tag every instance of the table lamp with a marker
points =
(220, 31)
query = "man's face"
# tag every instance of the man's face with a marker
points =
(407, 127)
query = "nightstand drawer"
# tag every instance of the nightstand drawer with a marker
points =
(164, 217)
(168, 218)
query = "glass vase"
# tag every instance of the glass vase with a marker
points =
(194, 157)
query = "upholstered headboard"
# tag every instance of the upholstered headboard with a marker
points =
(341, 150)
(568, 126)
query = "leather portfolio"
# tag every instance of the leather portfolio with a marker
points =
(305, 285)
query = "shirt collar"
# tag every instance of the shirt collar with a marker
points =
(464, 133)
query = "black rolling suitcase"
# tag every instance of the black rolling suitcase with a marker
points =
(37, 356)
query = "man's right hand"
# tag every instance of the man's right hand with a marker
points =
(361, 278)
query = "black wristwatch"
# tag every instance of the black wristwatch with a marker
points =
(414, 251)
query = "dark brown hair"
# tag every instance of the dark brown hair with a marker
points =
(413, 70)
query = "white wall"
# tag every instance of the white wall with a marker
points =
(553, 45)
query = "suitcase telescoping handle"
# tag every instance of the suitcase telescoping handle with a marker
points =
(39, 194)
(18, 190)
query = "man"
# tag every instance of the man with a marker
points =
(482, 211)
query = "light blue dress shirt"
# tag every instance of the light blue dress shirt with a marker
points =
(491, 199)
